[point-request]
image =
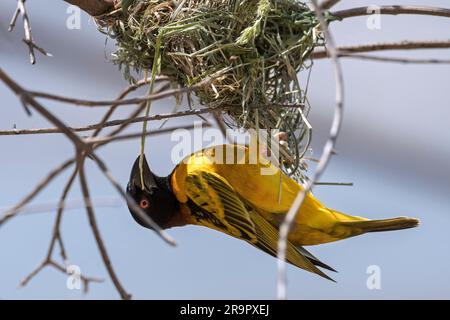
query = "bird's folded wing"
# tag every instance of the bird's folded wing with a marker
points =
(222, 209)
(268, 241)
(220, 205)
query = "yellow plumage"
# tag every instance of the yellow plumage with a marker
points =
(242, 202)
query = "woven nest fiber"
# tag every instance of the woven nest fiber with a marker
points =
(251, 50)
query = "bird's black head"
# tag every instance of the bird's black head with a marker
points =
(155, 197)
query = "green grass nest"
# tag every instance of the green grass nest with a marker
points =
(252, 50)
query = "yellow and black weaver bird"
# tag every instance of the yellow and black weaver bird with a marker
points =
(238, 200)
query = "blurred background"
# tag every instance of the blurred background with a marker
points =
(394, 147)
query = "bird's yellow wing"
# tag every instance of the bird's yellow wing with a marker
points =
(268, 241)
(216, 205)
(219, 206)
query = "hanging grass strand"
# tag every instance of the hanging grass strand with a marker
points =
(155, 72)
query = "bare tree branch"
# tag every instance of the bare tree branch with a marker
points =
(82, 150)
(56, 236)
(98, 239)
(324, 159)
(392, 10)
(14, 18)
(119, 98)
(108, 139)
(27, 29)
(57, 266)
(112, 123)
(400, 45)
(86, 280)
(394, 59)
(119, 122)
(28, 40)
(133, 101)
(57, 239)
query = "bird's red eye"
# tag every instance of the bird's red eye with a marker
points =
(144, 204)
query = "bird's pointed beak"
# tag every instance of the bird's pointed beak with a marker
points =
(135, 176)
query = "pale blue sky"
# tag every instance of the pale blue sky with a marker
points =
(395, 147)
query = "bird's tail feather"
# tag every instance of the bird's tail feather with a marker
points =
(381, 225)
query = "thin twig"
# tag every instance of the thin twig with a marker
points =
(133, 101)
(114, 106)
(341, 184)
(45, 263)
(392, 10)
(12, 24)
(324, 159)
(28, 40)
(130, 119)
(400, 45)
(394, 59)
(137, 135)
(98, 238)
(127, 122)
(32, 274)
(56, 235)
(112, 123)
(86, 280)
(27, 29)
